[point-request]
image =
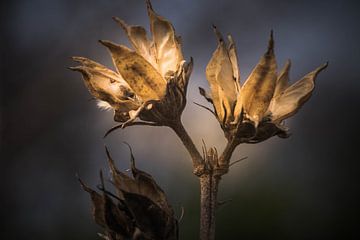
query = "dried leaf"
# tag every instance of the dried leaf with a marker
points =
(141, 76)
(291, 100)
(167, 44)
(259, 88)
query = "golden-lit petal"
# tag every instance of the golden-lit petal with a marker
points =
(234, 60)
(220, 75)
(141, 76)
(259, 88)
(139, 40)
(291, 100)
(283, 80)
(103, 83)
(167, 44)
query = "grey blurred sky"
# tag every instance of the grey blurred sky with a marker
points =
(305, 187)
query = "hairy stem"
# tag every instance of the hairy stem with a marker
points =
(208, 188)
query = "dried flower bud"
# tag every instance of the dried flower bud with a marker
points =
(255, 111)
(150, 81)
(140, 209)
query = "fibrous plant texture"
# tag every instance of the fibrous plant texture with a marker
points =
(149, 88)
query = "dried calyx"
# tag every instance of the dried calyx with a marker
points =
(150, 80)
(255, 111)
(139, 209)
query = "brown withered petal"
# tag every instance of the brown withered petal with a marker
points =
(142, 184)
(258, 89)
(220, 75)
(234, 60)
(146, 200)
(116, 222)
(106, 85)
(283, 80)
(138, 39)
(291, 100)
(167, 44)
(236, 71)
(141, 76)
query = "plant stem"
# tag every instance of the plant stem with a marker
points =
(209, 169)
(208, 188)
(198, 162)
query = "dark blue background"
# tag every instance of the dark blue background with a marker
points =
(305, 187)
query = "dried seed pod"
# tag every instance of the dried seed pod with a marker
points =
(255, 111)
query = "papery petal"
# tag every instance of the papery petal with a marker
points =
(142, 184)
(220, 75)
(259, 88)
(291, 100)
(236, 72)
(105, 84)
(167, 44)
(139, 40)
(141, 76)
(283, 80)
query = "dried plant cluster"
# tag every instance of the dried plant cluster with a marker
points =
(139, 210)
(149, 88)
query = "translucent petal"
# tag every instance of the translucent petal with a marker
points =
(291, 100)
(283, 79)
(139, 40)
(258, 89)
(105, 84)
(220, 75)
(141, 76)
(167, 44)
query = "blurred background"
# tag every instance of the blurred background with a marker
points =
(304, 187)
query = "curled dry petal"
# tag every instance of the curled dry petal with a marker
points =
(167, 44)
(283, 80)
(114, 218)
(220, 75)
(142, 184)
(108, 86)
(141, 76)
(139, 40)
(236, 72)
(258, 89)
(293, 97)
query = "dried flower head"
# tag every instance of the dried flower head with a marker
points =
(255, 111)
(150, 81)
(139, 210)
